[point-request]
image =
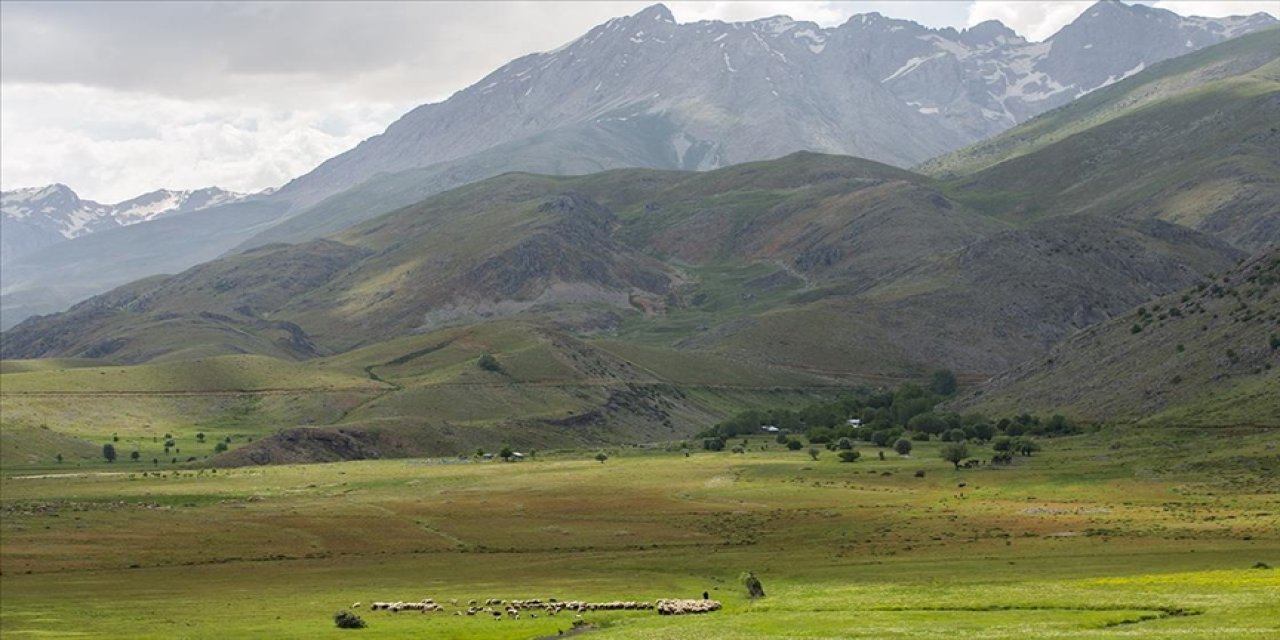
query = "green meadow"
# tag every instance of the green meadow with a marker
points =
(1124, 533)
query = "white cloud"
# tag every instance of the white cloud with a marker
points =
(1219, 8)
(111, 145)
(1032, 19)
(1039, 19)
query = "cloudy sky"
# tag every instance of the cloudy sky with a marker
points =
(116, 99)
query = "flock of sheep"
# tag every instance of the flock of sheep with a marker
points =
(495, 608)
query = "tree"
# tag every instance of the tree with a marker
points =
(844, 444)
(982, 432)
(849, 456)
(814, 453)
(200, 437)
(109, 452)
(58, 458)
(489, 363)
(1002, 444)
(1026, 446)
(955, 453)
(602, 456)
(943, 382)
(713, 444)
(220, 447)
(927, 423)
(954, 435)
(794, 445)
(134, 456)
(902, 446)
(506, 454)
(781, 438)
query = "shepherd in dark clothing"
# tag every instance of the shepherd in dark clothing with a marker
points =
(706, 596)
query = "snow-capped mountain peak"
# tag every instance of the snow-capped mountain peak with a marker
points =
(36, 217)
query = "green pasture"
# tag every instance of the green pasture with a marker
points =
(1109, 535)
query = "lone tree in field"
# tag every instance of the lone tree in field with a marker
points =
(602, 456)
(135, 456)
(109, 452)
(902, 446)
(506, 454)
(200, 437)
(850, 455)
(58, 458)
(794, 445)
(754, 588)
(955, 453)
(814, 453)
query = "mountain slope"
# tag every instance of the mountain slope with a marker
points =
(1207, 356)
(1192, 141)
(760, 262)
(874, 87)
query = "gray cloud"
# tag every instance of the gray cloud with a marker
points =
(387, 51)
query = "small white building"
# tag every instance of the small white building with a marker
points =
(855, 422)
(769, 428)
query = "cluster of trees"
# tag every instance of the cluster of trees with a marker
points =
(889, 419)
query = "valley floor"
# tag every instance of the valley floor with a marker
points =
(1100, 536)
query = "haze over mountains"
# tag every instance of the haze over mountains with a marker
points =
(34, 218)
(644, 91)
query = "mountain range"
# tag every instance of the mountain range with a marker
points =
(34, 218)
(645, 91)
(811, 262)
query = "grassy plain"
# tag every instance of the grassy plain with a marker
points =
(1119, 534)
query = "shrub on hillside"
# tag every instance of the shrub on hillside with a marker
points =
(348, 620)
(849, 456)
(489, 363)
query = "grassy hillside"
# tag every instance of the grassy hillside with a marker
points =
(1207, 356)
(224, 373)
(417, 395)
(1192, 141)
